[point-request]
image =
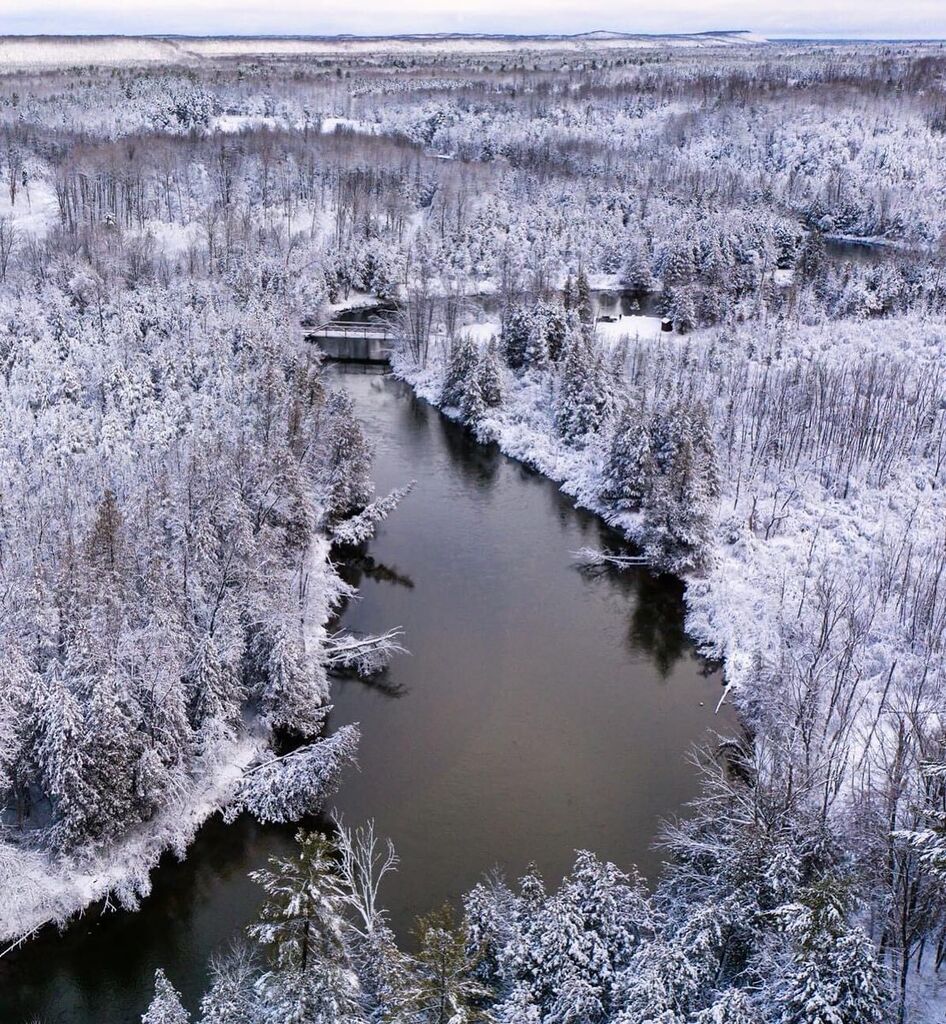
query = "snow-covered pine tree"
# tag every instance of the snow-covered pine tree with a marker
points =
(628, 473)
(572, 377)
(583, 303)
(291, 694)
(661, 985)
(812, 256)
(346, 460)
(310, 977)
(732, 1007)
(514, 335)
(472, 405)
(447, 986)
(681, 310)
(581, 399)
(65, 766)
(490, 374)
(591, 929)
(675, 263)
(461, 370)
(636, 274)
(835, 976)
(298, 783)
(166, 1006)
(556, 329)
(19, 697)
(704, 450)
(536, 353)
(569, 297)
(600, 394)
(214, 691)
(787, 243)
(679, 514)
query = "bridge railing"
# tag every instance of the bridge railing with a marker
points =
(368, 330)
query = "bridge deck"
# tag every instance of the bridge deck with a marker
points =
(352, 342)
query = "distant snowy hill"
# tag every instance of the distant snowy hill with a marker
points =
(58, 51)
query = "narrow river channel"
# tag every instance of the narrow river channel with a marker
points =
(542, 708)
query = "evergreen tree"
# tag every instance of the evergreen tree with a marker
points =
(346, 469)
(732, 1007)
(585, 395)
(20, 688)
(556, 330)
(490, 375)
(676, 264)
(461, 371)
(704, 449)
(569, 295)
(448, 989)
(813, 256)
(536, 354)
(786, 246)
(66, 768)
(636, 274)
(214, 693)
(166, 1006)
(628, 472)
(586, 311)
(573, 416)
(836, 976)
(472, 404)
(679, 514)
(589, 932)
(662, 984)
(291, 695)
(682, 310)
(232, 997)
(515, 332)
(311, 977)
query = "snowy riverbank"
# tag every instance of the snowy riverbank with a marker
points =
(779, 535)
(40, 889)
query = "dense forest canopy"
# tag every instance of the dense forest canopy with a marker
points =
(768, 420)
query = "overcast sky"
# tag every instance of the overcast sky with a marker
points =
(848, 18)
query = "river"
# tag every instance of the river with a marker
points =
(542, 708)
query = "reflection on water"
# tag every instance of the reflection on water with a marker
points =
(542, 708)
(547, 708)
(101, 969)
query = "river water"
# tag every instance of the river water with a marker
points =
(542, 708)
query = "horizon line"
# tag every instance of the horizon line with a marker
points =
(434, 34)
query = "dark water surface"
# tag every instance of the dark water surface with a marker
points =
(542, 708)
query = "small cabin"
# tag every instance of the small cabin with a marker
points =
(666, 325)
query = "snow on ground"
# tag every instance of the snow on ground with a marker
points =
(36, 208)
(639, 328)
(65, 51)
(174, 239)
(482, 332)
(642, 328)
(21, 52)
(40, 890)
(734, 610)
(457, 43)
(231, 124)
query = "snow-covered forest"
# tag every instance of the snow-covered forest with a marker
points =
(701, 287)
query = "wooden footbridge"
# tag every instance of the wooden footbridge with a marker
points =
(353, 341)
